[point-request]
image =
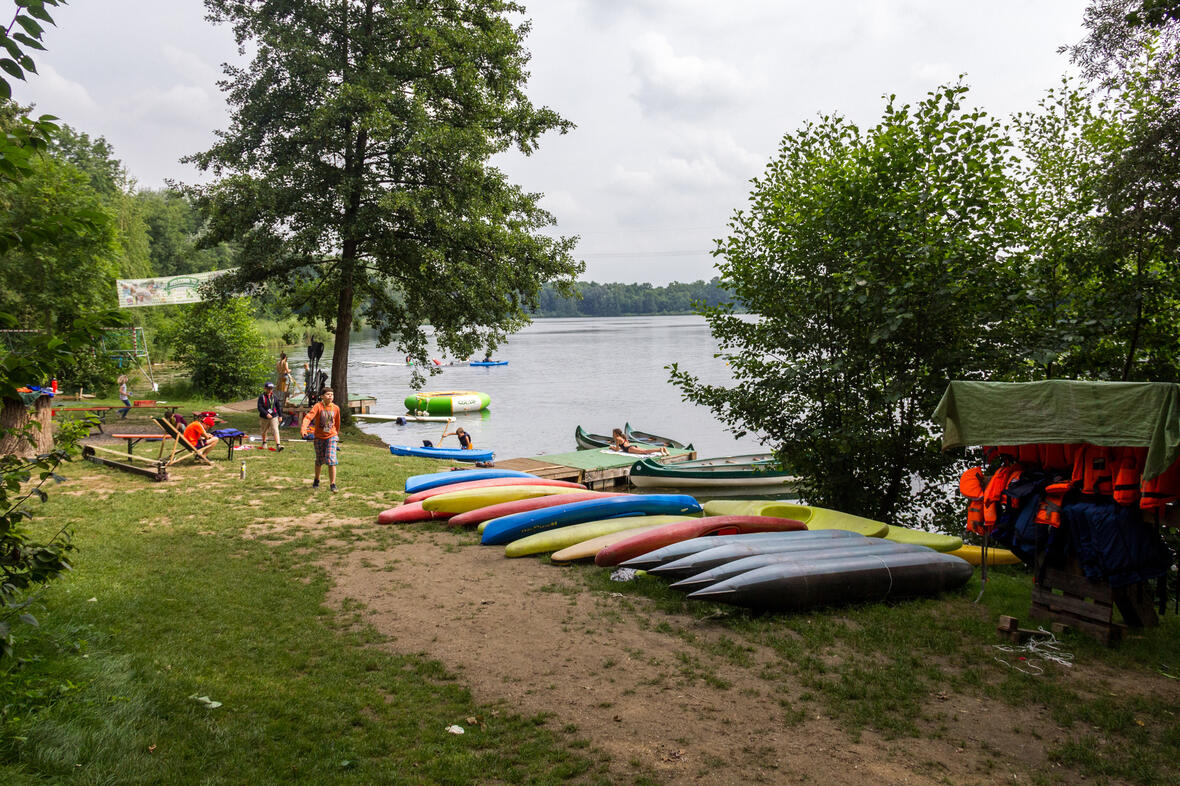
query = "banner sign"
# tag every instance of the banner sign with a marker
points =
(167, 291)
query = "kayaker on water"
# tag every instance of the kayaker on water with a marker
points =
(620, 443)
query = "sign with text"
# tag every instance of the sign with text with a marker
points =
(163, 291)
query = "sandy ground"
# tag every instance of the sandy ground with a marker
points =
(532, 636)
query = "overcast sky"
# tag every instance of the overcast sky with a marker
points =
(678, 103)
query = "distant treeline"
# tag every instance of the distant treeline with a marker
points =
(617, 300)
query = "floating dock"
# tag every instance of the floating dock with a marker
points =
(597, 468)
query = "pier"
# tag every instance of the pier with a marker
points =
(595, 469)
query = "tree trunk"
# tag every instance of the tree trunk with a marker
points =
(343, 336)
(14, 417)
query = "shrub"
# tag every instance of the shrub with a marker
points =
(217, 342)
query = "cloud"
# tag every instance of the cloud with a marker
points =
(55, 90)
(178, 105)
(190, 66)
(682, 85)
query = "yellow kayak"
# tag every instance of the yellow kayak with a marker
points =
(588, 549)
(470, 499)
(974, 555)
(565, 537)
(932, 540)
(813, 517)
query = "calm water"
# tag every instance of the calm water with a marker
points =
(598, 373)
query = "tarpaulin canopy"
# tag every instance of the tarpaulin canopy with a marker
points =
(1111, 414)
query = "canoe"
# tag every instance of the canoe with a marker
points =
(719, 555)
(588, 441)
(470, 499)
(995, 556)
(449, 454)
(814, 518)
(709, 526)
(675, 551)
(506, 529)
(588, 549)
(800, 585)
(481, 515)
(489, 362)
(837, 550)
(418, 496)
(406, 513)
(651, 439)
(753, 470)
(931, 540)
(563, 537)
(447, 402)
(416, 483)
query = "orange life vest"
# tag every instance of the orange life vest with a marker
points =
(1049, 511)
(1093, 469)
(1052, 456)
(994, 495)
(971, 485)
(1128, 475)
(1028, 454)
(1161, 490)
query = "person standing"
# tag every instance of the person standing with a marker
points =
(269, 414)
(124, 396)
(323, 423)
(283, 378)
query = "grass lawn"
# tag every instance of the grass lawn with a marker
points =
(178, 600)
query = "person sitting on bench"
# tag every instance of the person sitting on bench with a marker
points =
(199, 437)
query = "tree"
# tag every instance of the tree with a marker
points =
(871, 259)
(222, 350)
(355, 174)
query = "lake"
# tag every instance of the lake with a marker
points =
(561, 373)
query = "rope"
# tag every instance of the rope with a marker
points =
(1041, 649)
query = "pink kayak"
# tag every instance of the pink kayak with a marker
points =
(479, 515)
(412, 512)
(479, 484)
(652, 539)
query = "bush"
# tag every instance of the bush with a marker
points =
(218, 344)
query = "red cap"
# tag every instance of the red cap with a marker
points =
(209, 421)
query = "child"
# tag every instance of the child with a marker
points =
(323, 422)
(464, 438)
(199, 437)
(124, 396)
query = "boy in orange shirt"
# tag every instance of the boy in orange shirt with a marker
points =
(323, 422)
(198, 437)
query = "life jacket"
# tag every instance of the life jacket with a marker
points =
(1129, 475)
(1049, 511)
(971, 485)
(1028, 454)
(994, 495)
(1093, 469)
(1052, 456)
(1161, 490)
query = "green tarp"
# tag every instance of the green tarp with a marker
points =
(1111, 414)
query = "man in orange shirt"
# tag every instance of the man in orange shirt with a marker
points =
(198, 437)
(323, 423)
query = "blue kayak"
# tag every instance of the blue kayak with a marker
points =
(489, 362)
(432, 480)
(451, 454)
(513, 527)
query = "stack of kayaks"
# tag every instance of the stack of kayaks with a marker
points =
(727, 471)
(771, 555)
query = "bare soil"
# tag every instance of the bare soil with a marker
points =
(533, 637)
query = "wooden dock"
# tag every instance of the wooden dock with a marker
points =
(596, 468)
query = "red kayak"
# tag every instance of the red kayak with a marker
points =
(412, 512)
(652, 539)
(479, 515)
(479, 484)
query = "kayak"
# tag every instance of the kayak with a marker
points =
(447, 402)
(400, 419)
(995, 556)
(498, 532)
(710, 526)
(684, 548)
(719, 555)
(799, 585)
(814, 518)
(931, 540)
(406, 513)
(652, 439)
(752, 470)
(418, 496)
(430, 480)
(489, 362)
(563, 537)
(481, 515)
(589, 549)
(471, 499)
(451, 454)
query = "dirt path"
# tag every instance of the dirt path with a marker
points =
(533, 636)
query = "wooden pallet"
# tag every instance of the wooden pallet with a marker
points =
(1067, 596)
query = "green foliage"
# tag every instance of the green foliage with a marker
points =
(222, 350)
(612, 300)
(871, 260)
(174, 225)
(356, 174)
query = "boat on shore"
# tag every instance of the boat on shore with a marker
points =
(588, 441)
(452, 454)
(757, 469)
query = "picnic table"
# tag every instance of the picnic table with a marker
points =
(232, 437)
(135, 439)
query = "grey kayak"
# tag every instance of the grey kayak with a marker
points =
(838, 550)
(791, 586)
(675, 551)
(728, 552)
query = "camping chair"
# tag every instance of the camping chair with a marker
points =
(189, 449)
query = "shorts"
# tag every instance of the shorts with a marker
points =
(325, 451)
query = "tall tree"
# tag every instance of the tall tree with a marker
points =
(871, 258)
(355, 174)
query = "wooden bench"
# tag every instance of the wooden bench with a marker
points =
(135, 439)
